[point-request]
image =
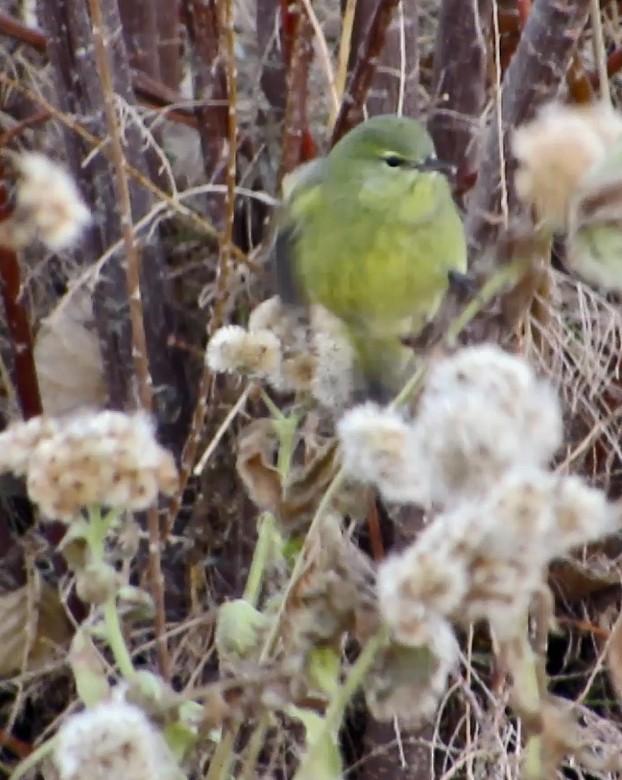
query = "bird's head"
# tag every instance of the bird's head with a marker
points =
(386, 157)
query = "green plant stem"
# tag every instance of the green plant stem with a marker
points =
(37, 755)
(220, 765)
(254, 581)
(285, 427)
(255, 744)
(222, 759)
(116, 641)
(328, 496)
(336, 708)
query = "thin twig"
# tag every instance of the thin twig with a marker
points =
(363, 72)
(232, 414)
(324, 55)
(139, 342)
(191, 216)
(600, 51)
(505, 209)
(224, 260)
(345, 43)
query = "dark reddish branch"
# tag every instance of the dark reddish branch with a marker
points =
(614, 65)
(363, 72)
(530, 80)
(151, 92)
(298, 144)
(210, 90)
(18, 323)
(288, 24)
(13, 132)
(386, 84)
(459, 80)
(14, 29)
(524, 9)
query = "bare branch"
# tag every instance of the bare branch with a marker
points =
(363, 72)
(459, 79)
(533, 77)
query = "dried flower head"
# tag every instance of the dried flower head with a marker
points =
(554, 152)
(19, 440)
(482, 411)
(233, 349)
(408, 681)
(333, 380)
(90, 459)
(379, 448)
(114, 739)
(48, 206)
(334, 594)
(486, 558)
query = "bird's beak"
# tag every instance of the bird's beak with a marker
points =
(433, 164)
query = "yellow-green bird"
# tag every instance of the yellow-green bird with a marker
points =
(371, 232)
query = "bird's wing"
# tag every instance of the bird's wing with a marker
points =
(301, 194)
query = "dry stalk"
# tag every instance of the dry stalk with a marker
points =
(530, 80)
(227, 248)
(296, 126)
(600, 51)
(199, 222)
(18, 323)
(363, 72)
(139, 343)
(459, 80)
(344, 55)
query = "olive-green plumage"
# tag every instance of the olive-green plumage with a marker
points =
(371, 232)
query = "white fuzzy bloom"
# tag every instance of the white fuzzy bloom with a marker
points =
(112, 740)
(333, 381)
(408, 681)
(19, 440)
(379, 448)
(48, 206)
(233, 349)
(555, 151)
(267, 315)
(89, 458)
(487, 557)
(483, 411)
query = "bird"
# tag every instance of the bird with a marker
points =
(371, 233)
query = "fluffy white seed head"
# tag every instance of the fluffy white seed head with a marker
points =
(482, 411)
(48, 206)
(378, 447)
(90, 458)
(486, 558)
(112, 740)
(555, 150)
(333, 380)
(233, 349)
(408, 682)
(19, 440)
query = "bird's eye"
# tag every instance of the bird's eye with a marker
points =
(393, 161)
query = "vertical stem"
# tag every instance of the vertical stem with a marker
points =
(600, 51)
(139, 344)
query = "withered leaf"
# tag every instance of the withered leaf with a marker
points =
(33, 625)
(292, 503)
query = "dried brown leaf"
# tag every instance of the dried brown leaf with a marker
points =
(68, 358)
(33, 624)
(293, 503)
